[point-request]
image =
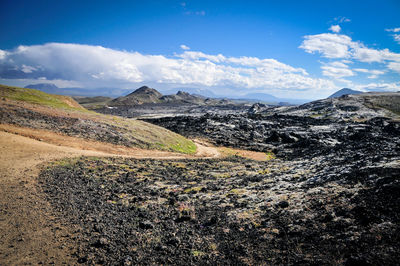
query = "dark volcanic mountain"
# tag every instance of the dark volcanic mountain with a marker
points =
(140, 96)
(146, 95)
(182, 96)
(344, 91)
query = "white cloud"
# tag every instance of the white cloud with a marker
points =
(395, 66)
(28, 69)
(397, 38)
(94, 65)
(342, 19)
(340, 46)
(393, 30)
(337, 70)
(374, 73)
(2, 54)
(328, 44)
(184, 47)
(198, 13)
(346, 61)
(335, 28)
(339, 64)
(394, 86)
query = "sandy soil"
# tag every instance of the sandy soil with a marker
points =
(30, 233)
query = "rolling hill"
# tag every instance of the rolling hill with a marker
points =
(35, 109)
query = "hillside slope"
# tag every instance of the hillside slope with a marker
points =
(61, 114)
(39, 97)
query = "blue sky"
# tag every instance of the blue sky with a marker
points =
(300, 49)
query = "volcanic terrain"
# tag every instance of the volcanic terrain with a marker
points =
(323, 190)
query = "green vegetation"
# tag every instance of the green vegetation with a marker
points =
(181, 144)
(39, 97)
(197, 253)
(270, 156)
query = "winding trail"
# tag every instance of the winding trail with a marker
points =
(30, 230)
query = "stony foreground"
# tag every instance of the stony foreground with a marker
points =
(232, 211)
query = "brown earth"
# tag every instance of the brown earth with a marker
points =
(31, 231)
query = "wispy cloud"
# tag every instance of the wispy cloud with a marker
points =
(373, 73)
(341, 19)
(337, 70)
(184, 47)
(396, 37)
(93, 65)
(198, 13)
(393, 30)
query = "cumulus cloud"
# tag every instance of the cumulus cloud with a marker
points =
(88, 64)
(184, 47)
(328, 44)
(339, 46)
(335, 28)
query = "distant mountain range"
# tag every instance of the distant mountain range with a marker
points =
(53, 89)
(192, 95)
(250, 97)
(344, 91)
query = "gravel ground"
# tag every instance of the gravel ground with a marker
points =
(227, 211)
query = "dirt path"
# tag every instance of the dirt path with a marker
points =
(80, 145)
(30, 233)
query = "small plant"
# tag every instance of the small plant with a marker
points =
(270, 155)
(264, 171)
(198, 253)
